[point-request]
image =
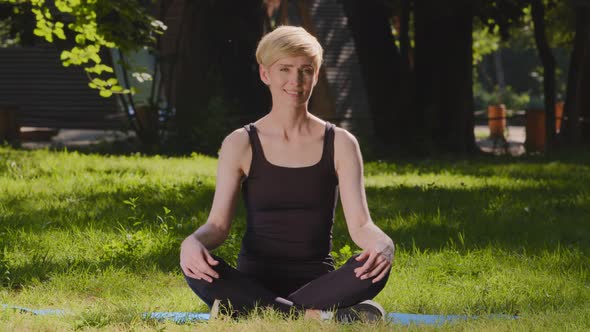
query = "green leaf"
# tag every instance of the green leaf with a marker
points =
(64, 55)
(99, 81)
(106, 93)
(60, 34)
(80, 39)
(39, 32)
(95, 57)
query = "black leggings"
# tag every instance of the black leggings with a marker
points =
(336, 289)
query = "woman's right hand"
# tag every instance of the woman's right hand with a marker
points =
(196, 261)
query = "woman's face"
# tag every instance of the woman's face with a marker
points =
(290, 80)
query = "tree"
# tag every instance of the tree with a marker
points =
(386, 81)
(215, 75)
(538, 14)
(421, 97)
(443, 67)
(443, 54)
(577, 103)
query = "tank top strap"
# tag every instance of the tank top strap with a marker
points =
(328, 154)
(255, 144)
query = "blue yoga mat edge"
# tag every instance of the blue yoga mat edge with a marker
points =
(186, 317)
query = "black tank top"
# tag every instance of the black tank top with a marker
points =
(290, 213)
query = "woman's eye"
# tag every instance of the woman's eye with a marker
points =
(285, 69)
(306, 71)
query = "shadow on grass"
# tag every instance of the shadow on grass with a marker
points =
(108, 210)
(506, 219)
(413, 216)
(41, 268)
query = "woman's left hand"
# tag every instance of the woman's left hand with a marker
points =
(378, 262)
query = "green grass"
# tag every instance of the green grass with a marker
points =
(98, 236)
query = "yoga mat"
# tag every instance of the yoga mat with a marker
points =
(397, 318)
(34, 311)
(186, 317)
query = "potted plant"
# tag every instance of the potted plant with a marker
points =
(535, 126)
(496, 114)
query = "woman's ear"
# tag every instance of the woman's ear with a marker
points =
(264, 76)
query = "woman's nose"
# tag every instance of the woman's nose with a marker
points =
(298, 77)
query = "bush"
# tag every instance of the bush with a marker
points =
(509, 97)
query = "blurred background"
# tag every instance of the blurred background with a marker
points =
(407, 77)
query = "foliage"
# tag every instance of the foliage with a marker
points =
(5, 29)
(93, 26)
(4, 268)
(522, 68)
(486, 41)
(512, 21)
(559, 21)
(507, 96)
(343, 254)
(211, 125)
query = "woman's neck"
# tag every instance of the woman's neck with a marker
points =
(289, 120)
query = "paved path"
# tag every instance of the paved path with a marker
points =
(514, 144)
(78, 138)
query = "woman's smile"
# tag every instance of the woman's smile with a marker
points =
(295, 93)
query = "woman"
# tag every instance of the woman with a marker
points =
(289, 165)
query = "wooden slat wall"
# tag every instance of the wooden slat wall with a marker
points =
(50, 95)
(340, 60)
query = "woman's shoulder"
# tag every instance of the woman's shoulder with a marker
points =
(344, 139)
(236, 143)
(237, 137)
(346, 149)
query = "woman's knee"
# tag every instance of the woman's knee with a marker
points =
(203, 288)
(352, 264)
(220, 267)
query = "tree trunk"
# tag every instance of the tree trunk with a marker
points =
(548, 61)
(381, 67)
(499, 68)
(217, 83)
(192, 88)
(238, 36)
(404, 34)
(577, 103)
(443, 70)
(584, 81)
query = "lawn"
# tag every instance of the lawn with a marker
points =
(98, 236)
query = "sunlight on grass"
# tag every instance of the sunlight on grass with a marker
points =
(451, 181)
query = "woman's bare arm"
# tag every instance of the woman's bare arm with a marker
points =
(378, 248)
(229, 174)
(195, 259)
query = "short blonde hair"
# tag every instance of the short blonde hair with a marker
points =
(287, 41)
